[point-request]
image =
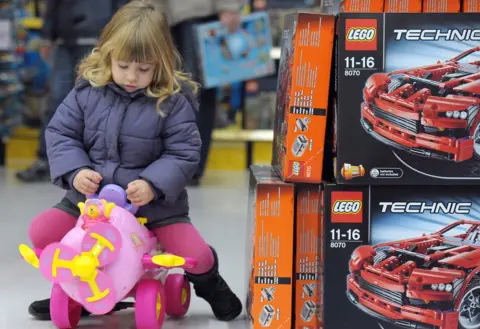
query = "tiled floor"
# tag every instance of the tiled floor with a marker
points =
(218, 209)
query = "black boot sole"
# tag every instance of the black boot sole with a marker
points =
(230, 316)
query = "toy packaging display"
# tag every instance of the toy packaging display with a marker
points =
(471, 6)
(352, 6)
(270, 244)
(33, 69)
(232, 57)
(403, 6)
(108, 256)
(401, 257)
(11, 87)
(308, 257)
(407, 92)
(441, 6)
(302, 96)
(361, 6)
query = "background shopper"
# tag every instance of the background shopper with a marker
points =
(183, 16)
(70, 30)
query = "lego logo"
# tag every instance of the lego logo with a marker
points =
(347, 207)
(361, 34)
(296, 168)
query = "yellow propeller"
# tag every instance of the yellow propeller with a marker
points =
(29, 255)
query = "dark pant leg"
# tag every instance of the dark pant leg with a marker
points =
(206, 123)
(65, 60)
(184, 36)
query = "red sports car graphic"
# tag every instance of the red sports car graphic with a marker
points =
(432, 281)
(430, 110)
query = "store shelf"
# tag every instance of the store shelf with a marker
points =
(10, 84)
(243, 135)
(32, 23)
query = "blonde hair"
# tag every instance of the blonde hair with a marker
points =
(139, 32)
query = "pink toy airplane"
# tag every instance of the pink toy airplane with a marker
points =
(110, 255)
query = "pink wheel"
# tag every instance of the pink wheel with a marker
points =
(177, 290)
(149, 304)
(65, 312)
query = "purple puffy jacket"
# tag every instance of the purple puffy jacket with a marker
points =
(121, 136)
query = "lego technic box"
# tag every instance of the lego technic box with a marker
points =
(353, 6)
(232, 57)
(302, 97)
(308, 257)
(284, 252)
(270, 249)
(441, 6)
(408, 99)
(397, 257)
(471, 6)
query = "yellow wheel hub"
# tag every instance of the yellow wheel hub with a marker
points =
(159, 305)
(85, 266)
(184, 296)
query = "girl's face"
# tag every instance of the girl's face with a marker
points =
(132, 76)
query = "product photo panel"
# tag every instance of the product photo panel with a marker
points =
(408, 95)
(402, 257)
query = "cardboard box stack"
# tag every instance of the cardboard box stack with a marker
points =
(403, 6)
(441, 6)
(400, 6)
(285, 242)
(270, 243)
(471, 6)
(391, 237)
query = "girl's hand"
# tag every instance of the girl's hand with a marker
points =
(139, 193)
(87, 181)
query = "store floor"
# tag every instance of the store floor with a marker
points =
(218, 209)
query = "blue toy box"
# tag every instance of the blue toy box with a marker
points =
(227, 58)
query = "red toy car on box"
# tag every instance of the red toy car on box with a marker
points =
(430, 282)
(430, 110)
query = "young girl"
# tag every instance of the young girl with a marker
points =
(130, 121)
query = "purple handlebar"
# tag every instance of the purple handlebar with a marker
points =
(116, 194)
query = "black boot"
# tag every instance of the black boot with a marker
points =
(212, 288)
(40, 309)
